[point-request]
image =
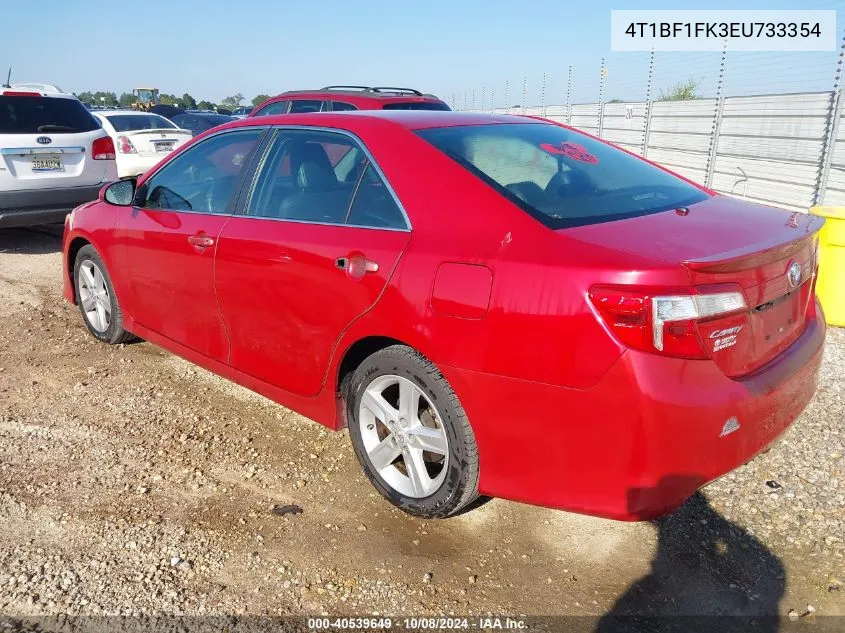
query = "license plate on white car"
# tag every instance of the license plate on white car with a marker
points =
(47, 162)
(164, 147)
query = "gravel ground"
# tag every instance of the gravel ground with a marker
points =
(132, 482)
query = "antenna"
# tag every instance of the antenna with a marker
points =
(8, 79)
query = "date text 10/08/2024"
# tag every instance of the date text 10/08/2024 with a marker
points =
(422, 624)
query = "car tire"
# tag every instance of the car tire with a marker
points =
(97, 299)
(421, 457)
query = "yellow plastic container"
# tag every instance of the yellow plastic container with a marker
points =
(830, 286)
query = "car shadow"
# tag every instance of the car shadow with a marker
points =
(34, 240)
(708, 574)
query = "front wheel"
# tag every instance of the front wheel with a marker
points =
(96, 298)
(411, 434)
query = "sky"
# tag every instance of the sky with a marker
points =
(213, 48)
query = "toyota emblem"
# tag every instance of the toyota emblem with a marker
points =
(793, 273)
(44, 140)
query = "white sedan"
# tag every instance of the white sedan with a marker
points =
(141, 139)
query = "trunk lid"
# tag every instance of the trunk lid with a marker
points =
(157, 142)
(724, 244)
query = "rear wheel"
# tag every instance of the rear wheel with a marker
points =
(96, 298)
(411, 434)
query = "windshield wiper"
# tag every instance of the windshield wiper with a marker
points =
(55, 128)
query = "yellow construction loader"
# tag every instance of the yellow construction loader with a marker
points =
(145, 98)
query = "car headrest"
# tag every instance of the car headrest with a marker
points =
(312, 176)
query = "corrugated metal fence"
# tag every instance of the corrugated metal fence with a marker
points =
(785, 150)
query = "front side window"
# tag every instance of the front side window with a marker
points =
(277, 107)
(203, 178)
(561, 177)
(324, 177)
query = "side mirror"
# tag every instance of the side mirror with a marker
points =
(120, 193)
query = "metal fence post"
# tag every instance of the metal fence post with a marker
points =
(600, 122)
(524, 88)
(831, 130)
(543, 96)
(569, 97)
(648, 105)
(507, 86)
(717, 121)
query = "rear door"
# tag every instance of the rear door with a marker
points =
(312, 251)
(167, 241)
(47, 142)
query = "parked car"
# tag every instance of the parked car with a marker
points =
(242, 112)
(337, 98)
(492, 304)
(199, 122)
(141, 139)
(54, 155)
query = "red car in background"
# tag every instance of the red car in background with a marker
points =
(491, 304)
(343, 98)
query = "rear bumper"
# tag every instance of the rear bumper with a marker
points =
(643, 440)
(42, 206)
(129, 165)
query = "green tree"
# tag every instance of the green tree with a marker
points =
(86, 97)
(681, 91)
(257, 100)
(101, 98)
(167, 99)
(232, 102)
(206, 105)
(126, 100)
(188, 102)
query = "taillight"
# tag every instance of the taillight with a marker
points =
(125, 146)
(666, 323)
(103, 149)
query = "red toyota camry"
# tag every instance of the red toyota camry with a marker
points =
(492, 305)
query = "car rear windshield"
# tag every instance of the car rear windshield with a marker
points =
(561, 177)
(416, 105)
(134, 122)
(36, 115)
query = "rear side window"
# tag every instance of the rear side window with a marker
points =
(339, 106)
(417, 105)
(305, 105)
(133, 122)
(277, 107)
(36, 115)
(561, 177)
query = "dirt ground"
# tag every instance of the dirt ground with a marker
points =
(132, 482)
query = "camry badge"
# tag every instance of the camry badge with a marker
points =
(793, 273)
(730, 426)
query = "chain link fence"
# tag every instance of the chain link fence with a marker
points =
(713, 117)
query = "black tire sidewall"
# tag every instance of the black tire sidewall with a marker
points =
(115, 329)
(399, 362)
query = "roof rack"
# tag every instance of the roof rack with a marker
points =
(391, 89)
(346, 88)
(416, 93)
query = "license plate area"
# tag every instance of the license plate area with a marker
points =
(47, 163)
(164, 147)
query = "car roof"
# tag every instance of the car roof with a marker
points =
(409, 119)
(108, 113)
(41, 90)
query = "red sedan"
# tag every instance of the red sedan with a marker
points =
(492, 305)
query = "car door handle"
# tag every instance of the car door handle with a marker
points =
(200, 240)
(356, 265)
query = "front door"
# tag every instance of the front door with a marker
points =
(169, 238)
(320, 236)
